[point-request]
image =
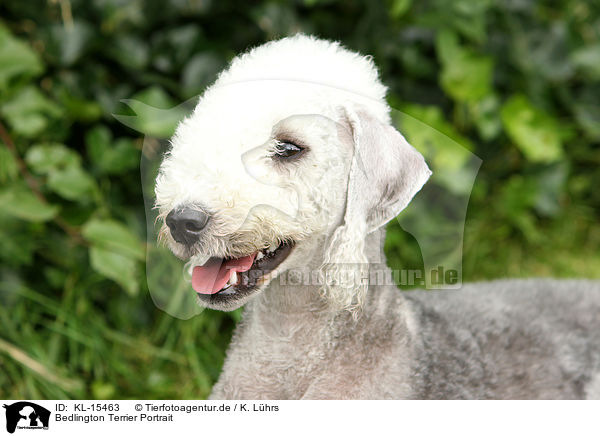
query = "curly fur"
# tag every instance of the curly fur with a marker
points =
(343, 336)
(345, 268)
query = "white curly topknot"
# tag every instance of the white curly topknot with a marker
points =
(305, 58)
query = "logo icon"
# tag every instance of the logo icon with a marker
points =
(26, 415)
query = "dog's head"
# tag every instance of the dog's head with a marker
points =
(291, 149)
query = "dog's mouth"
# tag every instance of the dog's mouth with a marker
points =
(230, 276)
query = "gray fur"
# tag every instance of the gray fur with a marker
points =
(506, 339)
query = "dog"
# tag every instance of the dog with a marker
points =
(289, 167)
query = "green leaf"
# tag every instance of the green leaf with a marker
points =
(465, 76)
(114, 236)
(17, 59)
(66, 177)
(22, 203)
(111, 157)
(45, 158)
(29, 112)
(122, 157)
(78, 108)
(98, 141)
(155, 114)
(72, 183)
(116, 266)
(534, 132)
(130, 51)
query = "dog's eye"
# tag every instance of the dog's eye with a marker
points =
(285, 149)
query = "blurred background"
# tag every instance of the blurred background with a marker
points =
(517, 82)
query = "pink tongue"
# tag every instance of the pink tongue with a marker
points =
(211, 277)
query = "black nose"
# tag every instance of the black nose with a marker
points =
(186, 224)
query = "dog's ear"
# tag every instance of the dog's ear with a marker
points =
(385, 174)
(386, 171)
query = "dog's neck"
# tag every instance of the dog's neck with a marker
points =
(292, 329)
(299, 291)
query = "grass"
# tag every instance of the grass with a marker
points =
(72, 349)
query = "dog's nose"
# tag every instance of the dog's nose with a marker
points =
(186, 224)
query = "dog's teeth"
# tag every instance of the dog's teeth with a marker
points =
(271, 249)
(260, 255)
(232, 279)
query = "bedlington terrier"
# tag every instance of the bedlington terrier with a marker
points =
(289, 165)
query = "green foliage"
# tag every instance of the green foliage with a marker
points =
(108, 155)
(17, 59)
(114, 236)
(536, 134)
(516, 83)
(116, 266)
(150, 117)
(21, 203)
(465, 76)
(29, 112)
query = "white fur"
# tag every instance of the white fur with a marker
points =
(220, 157)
